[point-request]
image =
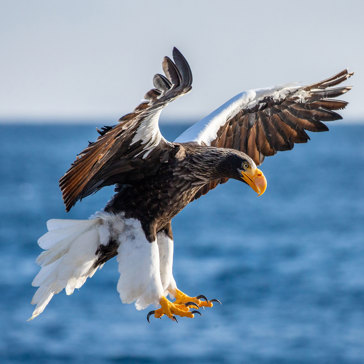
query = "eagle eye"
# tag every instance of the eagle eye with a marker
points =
(245, 165)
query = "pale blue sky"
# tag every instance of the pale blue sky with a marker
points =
(95, 59)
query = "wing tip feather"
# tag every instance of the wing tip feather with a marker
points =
(83, 177)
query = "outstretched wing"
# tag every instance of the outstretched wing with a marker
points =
(125, 152)
(262, 122)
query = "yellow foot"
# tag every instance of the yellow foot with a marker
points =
(172, 309)
(199, 301)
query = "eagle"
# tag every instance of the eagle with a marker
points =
(155, 179)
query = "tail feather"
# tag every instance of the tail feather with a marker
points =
(43, 275)
(57, 231)
(57, 224)
(69, 258)
(41, 299)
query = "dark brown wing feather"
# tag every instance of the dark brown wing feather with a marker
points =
(118, 156)
(274, 125)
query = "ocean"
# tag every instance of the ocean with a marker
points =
(288, 266)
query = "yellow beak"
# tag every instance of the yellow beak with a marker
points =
(255, 180)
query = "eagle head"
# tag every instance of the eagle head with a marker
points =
(241, 167)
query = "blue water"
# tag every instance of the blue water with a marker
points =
(288, 266)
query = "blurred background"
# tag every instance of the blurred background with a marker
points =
(288, 267)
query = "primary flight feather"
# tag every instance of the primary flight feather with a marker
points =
(155, 179)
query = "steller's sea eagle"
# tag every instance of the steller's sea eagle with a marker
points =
(155, 179)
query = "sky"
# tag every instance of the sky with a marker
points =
(87, 60)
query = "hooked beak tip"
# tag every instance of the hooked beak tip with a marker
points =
(256, 181)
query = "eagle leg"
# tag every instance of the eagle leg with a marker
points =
(171, 310)
(200, 301)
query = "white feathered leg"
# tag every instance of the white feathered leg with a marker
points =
(168, 308)
(139, 268)
(166, 247)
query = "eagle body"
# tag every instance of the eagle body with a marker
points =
(157, 198)
(155, 179)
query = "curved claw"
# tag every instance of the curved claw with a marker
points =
(187, 304)
(195, 311)
(215, 300)
(202, 296)
(174, 318)
(149, 314)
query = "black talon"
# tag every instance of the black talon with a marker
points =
(195, 311)
(149, 314)
(175, 319)
(202, 296)
(215, 300)
(187, 304)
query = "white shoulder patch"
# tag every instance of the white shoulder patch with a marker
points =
(148, 134)
(205, 131)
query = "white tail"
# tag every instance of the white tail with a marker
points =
(70, 256)
(68, 259)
